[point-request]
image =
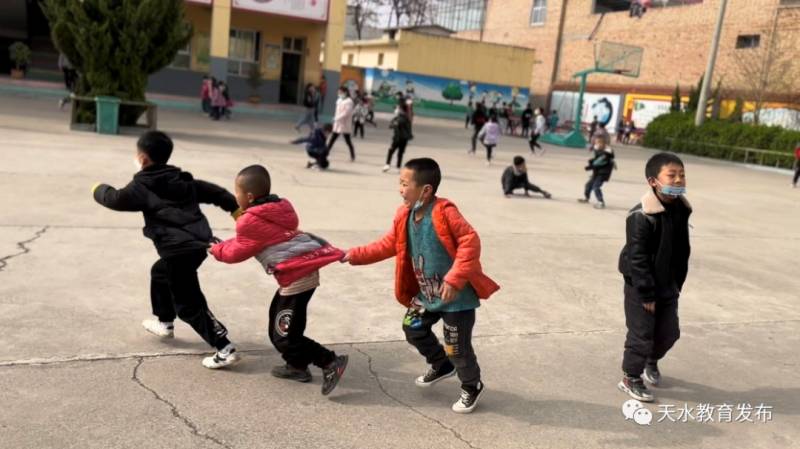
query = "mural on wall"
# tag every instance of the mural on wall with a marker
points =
(442, 94)
(304, 9)
(783, 117)
(606, 107)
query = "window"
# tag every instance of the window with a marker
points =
(459, 15)
(538, 12)
(350, 59)
(183, 59)
(243, 51)
(790, 2)
(605, 6)
(380, 59)
(748, 40)
(293, 45)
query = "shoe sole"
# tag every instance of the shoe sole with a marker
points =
(338, 378)
(169, 335)
(231, 360)
(630, 393)
(303, 380)
(464, 411)
(434, 382)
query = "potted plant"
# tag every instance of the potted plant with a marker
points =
(254, 80)
(21, 55)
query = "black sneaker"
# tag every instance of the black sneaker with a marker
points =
(289, 372)
(635, 388)
(332, 373)
(469, 399)
(547, 195)
(433, 376)
(651, 374)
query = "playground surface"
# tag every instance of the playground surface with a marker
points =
(77, 370)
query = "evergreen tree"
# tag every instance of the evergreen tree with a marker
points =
(116, 44)
(694, 96)
(675, 105)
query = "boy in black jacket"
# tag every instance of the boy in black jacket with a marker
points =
(516, 177)
(169, 199)
(601, 165)
(654, 263)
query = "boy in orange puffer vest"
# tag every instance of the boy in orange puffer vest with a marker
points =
(438, 276)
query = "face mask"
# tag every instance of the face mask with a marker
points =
(418, 204)
(341, 96)
(672, 191)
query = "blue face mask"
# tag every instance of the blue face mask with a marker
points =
(672, 191)
(419, 203)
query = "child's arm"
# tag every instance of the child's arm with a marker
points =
(239, 248)
(468, 248)
(127, 199)
(637, 234)
(376, 251)
(300, 140)
(209, 193)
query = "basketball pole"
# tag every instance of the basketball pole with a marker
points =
(702, 104)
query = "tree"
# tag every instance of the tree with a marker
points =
(738, 111)
(694, 96)
(675, 104)
(116, 44)
(452, 92)
(363, 14)
(415, 12)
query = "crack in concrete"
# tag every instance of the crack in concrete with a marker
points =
(386, 393)
(174, 409)
(22, 245)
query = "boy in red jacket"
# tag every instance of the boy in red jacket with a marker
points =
(267, 230)
(438, 275)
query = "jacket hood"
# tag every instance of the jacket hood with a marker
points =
(279, 212)
(166, 181)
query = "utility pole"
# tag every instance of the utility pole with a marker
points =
(700, 117)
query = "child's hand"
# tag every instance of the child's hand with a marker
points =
(448, 293)
(650, 307)
(345, 258)
(236, 214)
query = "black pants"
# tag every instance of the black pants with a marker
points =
(400, 147)
(475, 138)
(347, 141)
(526, 128)
(457, 339)
(358, 127)
(489, 149)
(796, 172)
(287, 322)
(594, 184)
(533, 143)
(650, 335)
(524, 185)
(175, 291)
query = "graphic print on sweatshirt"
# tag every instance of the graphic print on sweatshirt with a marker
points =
(429, 287)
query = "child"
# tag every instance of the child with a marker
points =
(343, 121)
(796, 165)
(516, 177)
(401, 126)
(654, 263)
(169, 199)
(218, 101)
(438, 276)
(489, 135)
(205, 95)
(359, 118)
(601, 165)
(267, 230)
(526, 117)
(478, 120)
(316, 147)
(540, 127)
(228, 107)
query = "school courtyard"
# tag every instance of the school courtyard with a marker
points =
(78, 371)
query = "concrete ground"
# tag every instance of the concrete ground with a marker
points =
(77, 370)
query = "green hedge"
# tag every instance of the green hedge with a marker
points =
(676, 132)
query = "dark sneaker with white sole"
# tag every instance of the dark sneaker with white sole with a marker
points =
(332, 373)
(433, 376)
(469, 398)
(651, 374)
(635, 388)
(291, 373)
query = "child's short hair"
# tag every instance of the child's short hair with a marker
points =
(426, 171)
(328, 127)
(255, 179)
(519, 160)
(156, 145)
(658, 161)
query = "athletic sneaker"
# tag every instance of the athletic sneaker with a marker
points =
(547, 195)
(635, 388)
(600, 205)
(433, 376)
(158, 328)
(583, 200)
(226, 356)
(289, 372)
(386, 168)
(651, 374)
(469, 398)
(332, 373)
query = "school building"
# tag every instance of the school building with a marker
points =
(676, 38)
(288, 43)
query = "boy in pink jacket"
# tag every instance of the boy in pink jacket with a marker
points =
(267, 230)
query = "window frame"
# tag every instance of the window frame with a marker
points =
(748, 39)
(540, 10)
(243, 65)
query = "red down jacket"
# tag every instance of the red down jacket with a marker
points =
(269, 233)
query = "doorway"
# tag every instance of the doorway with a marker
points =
(291, 68)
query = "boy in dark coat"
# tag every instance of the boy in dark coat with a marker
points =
(654, 264)
(169, 199)
(516, 177)
(601, 165)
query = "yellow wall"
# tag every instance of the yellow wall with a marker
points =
(200, 18)
(446, 57)
(334, 35)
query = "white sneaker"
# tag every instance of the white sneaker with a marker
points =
(468, 400)
(227, 356)
(159, 329)
(386, 168)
